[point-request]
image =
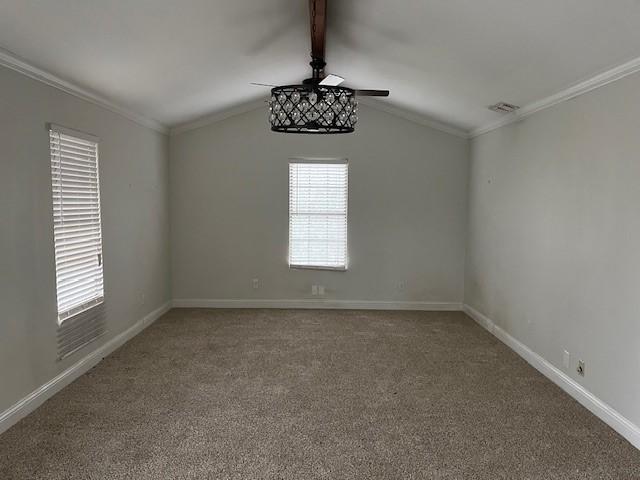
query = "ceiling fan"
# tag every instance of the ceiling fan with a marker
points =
(320, 104)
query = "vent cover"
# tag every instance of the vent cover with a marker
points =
(503, 107)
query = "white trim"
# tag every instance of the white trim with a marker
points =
(219, 116)
(600, 409)
(316, 304)
(580, 88)
(413, 117)
(12, 61)
(600, 80)
(36, 398)
(375, 104)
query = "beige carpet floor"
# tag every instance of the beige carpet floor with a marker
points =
(279, 394)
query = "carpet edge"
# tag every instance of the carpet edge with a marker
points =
(602, 410)
(33, 400)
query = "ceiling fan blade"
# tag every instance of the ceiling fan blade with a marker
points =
(331, 80)
(318, 21)
(261, 84)
(372, 93)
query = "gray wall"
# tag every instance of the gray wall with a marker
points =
(554, 236)
(134, 189)
(407, 211)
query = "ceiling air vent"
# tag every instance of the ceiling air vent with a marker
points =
(503, 107)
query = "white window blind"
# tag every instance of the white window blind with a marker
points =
(76, 220)
(318, 214)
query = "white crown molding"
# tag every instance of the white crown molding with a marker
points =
(315, 304)
(375, 104)
(413, 117)
(597, 81)
(14, 62)
(600, 80)
(218, 116)
(9, 60)
(28, 404)
(602, 410)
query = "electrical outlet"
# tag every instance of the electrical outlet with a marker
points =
(255, 283)
(314, 290)
(321, 290)
(566, 360)
(580, 368)
(402, 285)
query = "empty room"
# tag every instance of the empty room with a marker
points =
(320, 239)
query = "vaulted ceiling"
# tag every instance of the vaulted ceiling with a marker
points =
(175, 61)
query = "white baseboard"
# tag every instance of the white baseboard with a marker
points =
(36, 398)
(316, 304)
(600, 409)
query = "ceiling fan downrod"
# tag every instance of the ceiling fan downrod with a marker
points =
(320, 104)
(318, 15)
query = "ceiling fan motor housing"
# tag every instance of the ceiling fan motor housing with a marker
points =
(313, 108)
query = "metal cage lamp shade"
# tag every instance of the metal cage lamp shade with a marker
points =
(313, 109)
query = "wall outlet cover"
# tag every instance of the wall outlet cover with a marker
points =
(321, 290)
(580, 368)
(566, 359)
(314, 290)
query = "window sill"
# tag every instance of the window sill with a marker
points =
(317, 267)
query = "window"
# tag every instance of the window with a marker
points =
(318, 214)
(76, 221)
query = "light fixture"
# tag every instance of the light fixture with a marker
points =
(320, 104)
(313, 108)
